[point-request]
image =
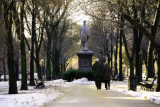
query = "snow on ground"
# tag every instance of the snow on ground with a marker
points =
(148, 95)
(82, 81)
(36, 97)
(30, 98)
(54, 89)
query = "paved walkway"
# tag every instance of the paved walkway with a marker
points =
(89, 96)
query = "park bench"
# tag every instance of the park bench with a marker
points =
(39, 84)
(148, 84)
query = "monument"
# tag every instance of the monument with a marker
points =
(85, 55)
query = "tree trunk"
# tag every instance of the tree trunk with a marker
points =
(136, 38)
(111, 53)
(139, 58)
(145, 59)
(32, 83)
(38, 44)
(138, 45)
(131, 68)
(116, 72)
(158, 73)
(17, 68)
(150, 62)
(109, 60)
(48, 78)
(151, 48)
(44, 67)
(10, 55)
(16, 22)
(61, 67)
(120, 51)
(24, 85)
(4, 69)
(38, 65)
(56, 64)
(64, 66)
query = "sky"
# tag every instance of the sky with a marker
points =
(79, 17)
(76, 14)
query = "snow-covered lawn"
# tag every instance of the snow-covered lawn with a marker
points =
(30, 98)
(54, 89)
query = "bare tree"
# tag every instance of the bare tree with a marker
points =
(153, 30)
(8, 38)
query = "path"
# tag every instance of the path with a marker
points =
(89, 96)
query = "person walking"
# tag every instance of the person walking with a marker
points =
(107, 74)
(97, 69)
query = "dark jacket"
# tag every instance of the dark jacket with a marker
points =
(107, 72)
(97, 69)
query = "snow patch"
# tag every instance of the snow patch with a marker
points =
(59, 81)
(83, 81)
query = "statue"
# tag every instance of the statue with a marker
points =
(85, 55)
(84, 34)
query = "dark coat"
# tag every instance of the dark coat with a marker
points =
(107, 72)
(97, 69)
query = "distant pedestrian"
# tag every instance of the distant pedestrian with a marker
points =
(107, 74)
(98, 75)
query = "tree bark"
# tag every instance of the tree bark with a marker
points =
(24, 85)
(120, 50)
(38, 65)
(4, 68)
(116, 72)
(32, 83)
(138, 57)
(56, 64)
(17, 22)
(17, 68)
(10, 55)
(149, 72)
(48, 78)
(131, 68)
(38, 44)
(158, 72)
(111, 52)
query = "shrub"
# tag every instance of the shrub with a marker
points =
(72, 74)
(86, 74)
(65, 76)
(69, 75)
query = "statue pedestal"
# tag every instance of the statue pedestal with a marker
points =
(85, 60)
